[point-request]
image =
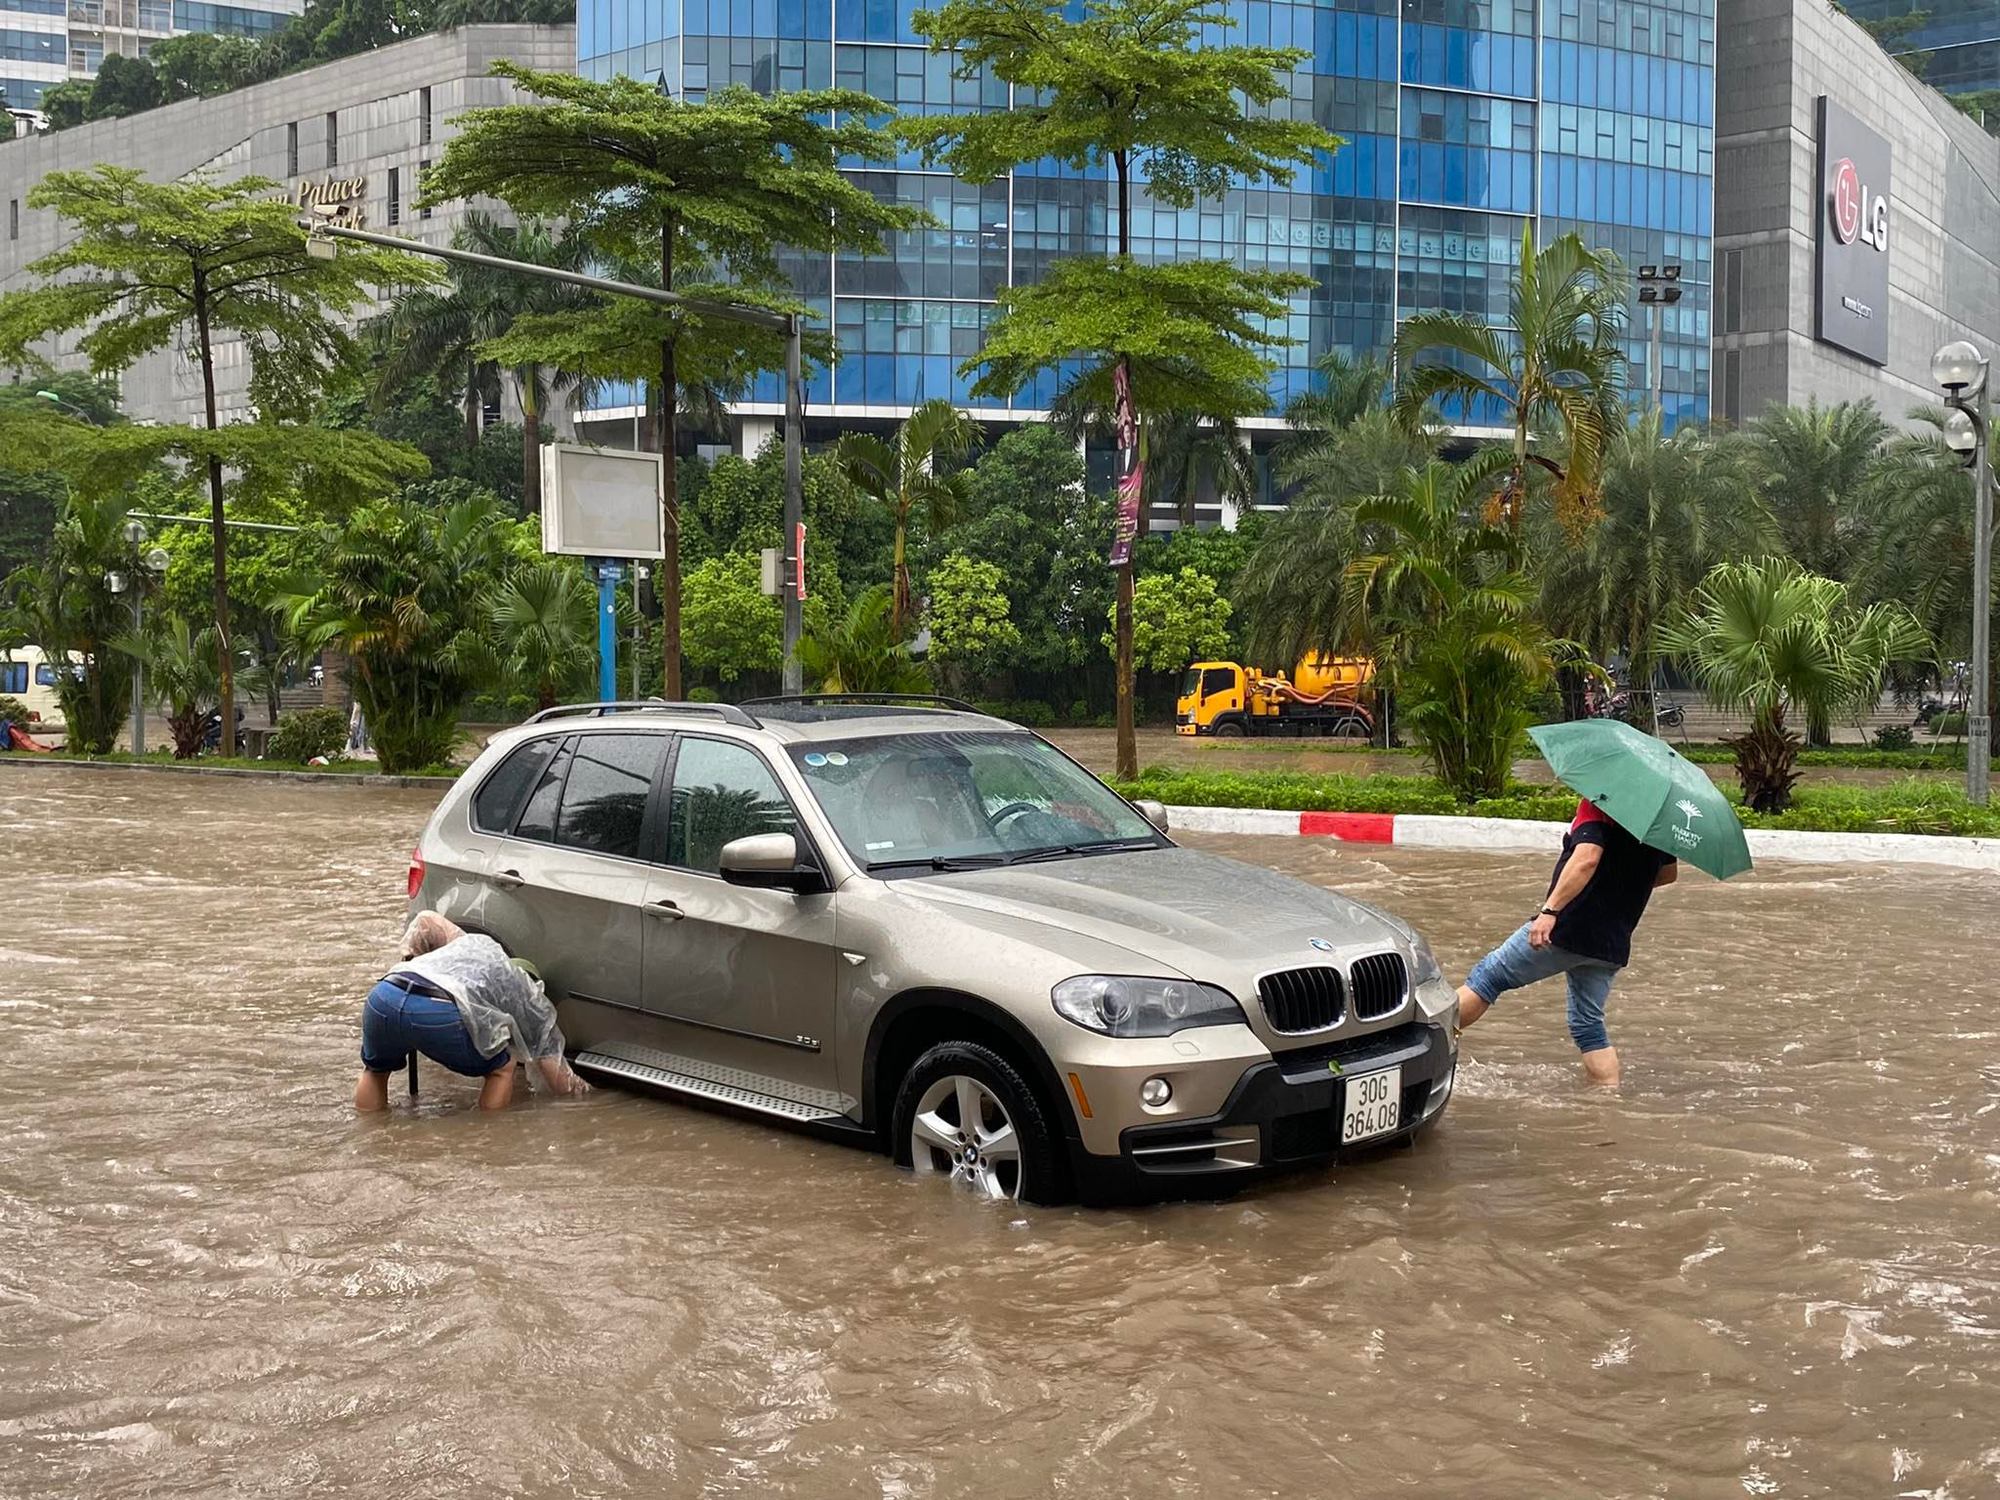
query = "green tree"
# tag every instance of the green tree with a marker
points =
(1557, 370)
(1817, 468)
(1176, 618)
(31, 498)
(201, 64)
(1125, 85)
(1769, 637)
(648, 178)
(1918, 535)
(405, 592)
(858, 652)
(968, 616)
(1674, 506)
(150, 264)
(66, 104)
(449, 330)
(1344, 391)
(913, 469)
(1028, 513)
(1450, 616)
(123, 86)
(545, 621)
(183, 672)
(729, 624)
(65, 605)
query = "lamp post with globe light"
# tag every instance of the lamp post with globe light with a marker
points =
(148, 566)
(1964, 375)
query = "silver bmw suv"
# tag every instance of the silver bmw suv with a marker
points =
(914, 926)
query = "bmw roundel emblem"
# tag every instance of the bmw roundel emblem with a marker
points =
(1321, 944)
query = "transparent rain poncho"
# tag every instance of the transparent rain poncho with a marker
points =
(502, 1004)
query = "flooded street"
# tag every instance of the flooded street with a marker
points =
(1766, 1267)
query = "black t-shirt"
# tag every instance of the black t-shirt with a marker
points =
(1598, 921)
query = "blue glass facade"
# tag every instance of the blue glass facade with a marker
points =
(1463, 119)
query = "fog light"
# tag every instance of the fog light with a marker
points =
(1155, 1091)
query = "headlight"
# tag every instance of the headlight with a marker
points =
(1425, 968)
(1118, 1005)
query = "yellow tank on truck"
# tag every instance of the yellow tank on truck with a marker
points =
(1346, 676)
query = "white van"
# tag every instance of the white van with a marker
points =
(26, 673)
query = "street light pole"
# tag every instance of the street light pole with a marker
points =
(793, 542)
(1965, 376)
(1659, 289)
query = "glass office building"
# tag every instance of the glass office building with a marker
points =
(1956, 43)
(1463, 119)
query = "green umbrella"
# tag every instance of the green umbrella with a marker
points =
(1649, 790)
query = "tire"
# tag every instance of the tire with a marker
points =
(1229, 729)
(938, 1086)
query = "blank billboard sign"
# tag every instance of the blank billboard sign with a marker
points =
(601, 502)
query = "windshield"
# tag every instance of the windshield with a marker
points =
(1190, 682)
(973, 798)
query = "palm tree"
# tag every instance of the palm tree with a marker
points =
(1183, 449)
(1557, 372)
(861, 652)
(1674, 506)
(1344, 391)
(1450, 615)
(902, 474)
(545, 616)
(1770, 637)
(184, 671)
(430, 331)
(403, 591)
(65, 605)
(1817, 467)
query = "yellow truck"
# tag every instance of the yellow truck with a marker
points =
(1323, 695)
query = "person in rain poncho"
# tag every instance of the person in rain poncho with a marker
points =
(460, 1001)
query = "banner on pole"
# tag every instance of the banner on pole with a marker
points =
(1126, 530)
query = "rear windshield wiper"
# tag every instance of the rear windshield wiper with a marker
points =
(1063, 851)
(939, 862)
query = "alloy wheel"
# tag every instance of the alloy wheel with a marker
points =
(962, 1129)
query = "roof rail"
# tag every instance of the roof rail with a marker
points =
(919, 699)
(729, 713)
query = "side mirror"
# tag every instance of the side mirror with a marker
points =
(768, 861)
(1153, 812)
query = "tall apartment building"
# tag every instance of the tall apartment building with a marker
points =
(47, 42)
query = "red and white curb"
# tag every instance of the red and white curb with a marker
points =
(1503, 835)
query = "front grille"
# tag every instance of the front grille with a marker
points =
(1380, 984)
(1298, 1000)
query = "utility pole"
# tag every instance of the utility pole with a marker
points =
(320, 233)
(1659, 289)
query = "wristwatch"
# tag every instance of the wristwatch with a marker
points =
(1548, 911)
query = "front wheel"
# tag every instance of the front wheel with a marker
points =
(965, 1113)
(1229, 729)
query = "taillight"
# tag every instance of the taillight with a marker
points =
(416, 873)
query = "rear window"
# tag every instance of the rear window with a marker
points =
(498, 802)
(539, 820)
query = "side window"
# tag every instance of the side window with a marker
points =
(1217, 680)
(496, 803)
(13, 677)
(721, 792)
(605, 800)
(539, 820)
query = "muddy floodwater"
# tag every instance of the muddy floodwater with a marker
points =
(1766, 1267)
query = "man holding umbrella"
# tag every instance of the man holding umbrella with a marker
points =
(1643, 808)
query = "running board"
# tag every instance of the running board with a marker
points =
(710, 1089)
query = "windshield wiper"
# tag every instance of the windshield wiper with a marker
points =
(939, 862)
(1064, 851)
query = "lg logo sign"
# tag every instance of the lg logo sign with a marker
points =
(1856, 212)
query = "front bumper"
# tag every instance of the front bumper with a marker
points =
(1282, 1114)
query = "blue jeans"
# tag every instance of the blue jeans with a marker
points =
(1516, 963)
(397, 1021)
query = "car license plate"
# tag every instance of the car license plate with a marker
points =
(1374, 1105)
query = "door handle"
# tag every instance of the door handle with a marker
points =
(665, 910)
(507, 880)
